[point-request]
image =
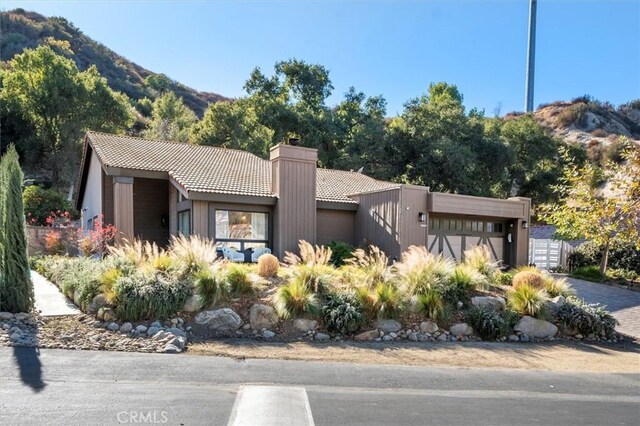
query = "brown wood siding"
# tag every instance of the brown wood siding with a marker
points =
(377, 221)
(478, 206)
(413, 201)
(173, 210)
(151, 210)
(107, 199)
(335, 225)
(200, 218)
(294, 180)
(123, 208)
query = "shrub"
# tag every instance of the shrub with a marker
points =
(557, 287)
(163, 262)
(53, 243)
(295, 298)
(489, 324)
(466, 278)
(73, 274)
(108, 281)
(479, 258)
(340, 252)
(420, 270)
(621, 256)
(238, 279)
(591, 273)
(209, 288)
(622, 275)
(587, 319)
(431, 304)
(504, 278)
(384, 301)
(268, 266)
(527, 299)
(312, 266)
(343, 314)
(39, 203)
(528, 278)
(156, 295)
(193, 252)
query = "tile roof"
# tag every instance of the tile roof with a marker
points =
(210, 169)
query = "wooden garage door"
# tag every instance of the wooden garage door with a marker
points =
(452, 236)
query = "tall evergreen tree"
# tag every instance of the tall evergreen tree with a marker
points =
(16, 289)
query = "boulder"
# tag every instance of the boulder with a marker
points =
(99, 301)
(176, 332)
(153, 330)
(305, 325)
(321, 337)
(554, 304)
(6, 316)
(388, 325)
(262, 316)
(428, 327)
(461, 329)
(192, 304)
(494, 303)
(533, 327)
(224, 320)
(76, 297)
(367, 335)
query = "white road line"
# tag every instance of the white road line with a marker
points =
(271, 406)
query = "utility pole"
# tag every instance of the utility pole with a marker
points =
(531, 57)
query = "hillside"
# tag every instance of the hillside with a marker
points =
(588, 121)
(21, 29)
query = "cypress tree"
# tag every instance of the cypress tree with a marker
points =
(16, 290)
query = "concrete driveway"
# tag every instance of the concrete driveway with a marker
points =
(623, 304)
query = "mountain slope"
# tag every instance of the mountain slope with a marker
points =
(20, 29)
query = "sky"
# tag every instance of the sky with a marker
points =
(389, 48)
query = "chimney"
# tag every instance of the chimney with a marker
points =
(293, 180)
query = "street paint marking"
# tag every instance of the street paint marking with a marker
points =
(271, 406)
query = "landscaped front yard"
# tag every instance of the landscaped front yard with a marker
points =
(142, 292)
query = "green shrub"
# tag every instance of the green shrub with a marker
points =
(527, 299)
(383, 301)
(621, 256)
(39, 203)
(489, 324)
(238, 279)
(622, 275)
(295, 298)
(463, 280)
(141, 296)
(587, 319)
(431, 304)
(209, 288)
(343, 314)
(590, 273)
(73, 274)
(340, 252)
(504, 278)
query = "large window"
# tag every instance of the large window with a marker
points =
(184, 222)
(241, 230)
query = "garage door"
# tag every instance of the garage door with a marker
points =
(452, 236)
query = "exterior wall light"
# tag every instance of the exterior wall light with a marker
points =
(422, 218)
(525, 224)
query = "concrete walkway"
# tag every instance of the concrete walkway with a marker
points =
(623, 304)
(49, 299)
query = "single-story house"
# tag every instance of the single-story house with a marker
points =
(153, 189)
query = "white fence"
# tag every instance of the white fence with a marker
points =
(548, 254)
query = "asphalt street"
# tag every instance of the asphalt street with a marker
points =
(61, 387)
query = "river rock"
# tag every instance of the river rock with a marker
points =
(126, 327)
(304, 325)
(533, 327)
(6, 316)
(428, 327)
(268, 334)
(388, 325)
(321, 337)
(490, 302)
(367, 336)
(224, 320)
(113, 326)
(176, 332)
(461, 329)
(99, 301)
(262, 316)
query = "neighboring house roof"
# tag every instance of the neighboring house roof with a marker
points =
(547, 232)
(210, 169)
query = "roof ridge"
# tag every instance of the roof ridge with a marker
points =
(219, 148)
